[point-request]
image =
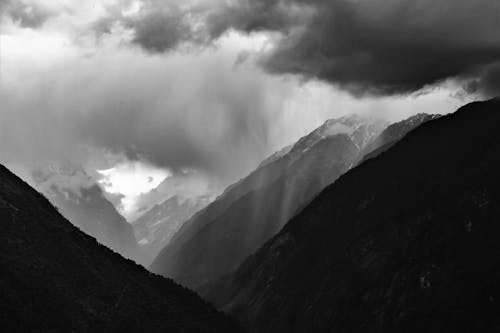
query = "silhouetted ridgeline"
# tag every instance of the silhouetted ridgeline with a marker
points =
(55, 278)
(406, 242)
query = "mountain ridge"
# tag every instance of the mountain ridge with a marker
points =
(250, 211)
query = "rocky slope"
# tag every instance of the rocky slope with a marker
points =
(54, 278)
(405, 242)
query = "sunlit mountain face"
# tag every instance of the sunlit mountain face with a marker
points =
(186, 135)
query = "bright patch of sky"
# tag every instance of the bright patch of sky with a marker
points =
(130, 180)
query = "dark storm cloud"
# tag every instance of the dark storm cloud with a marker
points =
(487, 84)
(257, 15)
(379, 47)
(374, 47)
(158, 26)
(160, 31)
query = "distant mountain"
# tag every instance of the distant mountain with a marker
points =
(217, 239)
(54, 278)
(82, 202)
(405, 242)
(157, 226)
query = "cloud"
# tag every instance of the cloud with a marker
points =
(26, 13)
(487, 84)
(186, 110)
(257, 15)
(377, 47)
(157, 26)
(136, 94)
(185, 185)
(374, 47)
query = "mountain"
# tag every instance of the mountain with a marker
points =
(405, 242)
(220, 237)
(56, 278)
(394, 133)
(157, 226)
(82, 202)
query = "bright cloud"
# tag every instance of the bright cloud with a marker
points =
(130, 180)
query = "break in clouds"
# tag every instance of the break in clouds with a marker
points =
(210, 87)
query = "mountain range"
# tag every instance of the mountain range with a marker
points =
(218, 239)
(357, 227)
(407, 241)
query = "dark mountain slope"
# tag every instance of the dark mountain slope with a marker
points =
(55, 278)
(405, 242)
(253, 210)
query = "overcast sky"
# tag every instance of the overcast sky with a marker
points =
(189, 96)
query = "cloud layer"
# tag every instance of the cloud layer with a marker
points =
(379, 47)
(181, 111)
(180, 85)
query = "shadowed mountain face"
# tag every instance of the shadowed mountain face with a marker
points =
(405, 242)
(83, 203)
(158, 225)
(219, 238)
(55, 278)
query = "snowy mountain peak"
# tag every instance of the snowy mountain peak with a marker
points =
(361, 130)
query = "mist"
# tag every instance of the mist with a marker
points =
(99, 93)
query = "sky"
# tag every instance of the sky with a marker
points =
(159, 98)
